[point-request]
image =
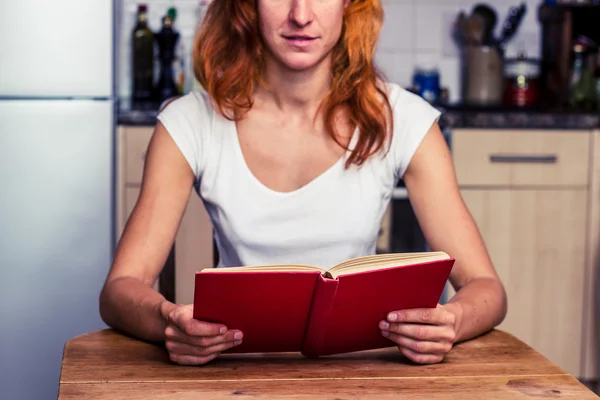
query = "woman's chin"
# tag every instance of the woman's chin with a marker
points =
(301, 63)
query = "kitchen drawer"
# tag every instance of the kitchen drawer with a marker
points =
(136, 145)
(521, 157)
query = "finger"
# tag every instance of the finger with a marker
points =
(183, 349)
(172, 332)
(420, 358)
(194, 327)
(183, 317)
(433, 316)
(192, 360)
(419, 346)
(431, 333)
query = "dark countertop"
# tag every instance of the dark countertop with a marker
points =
(453, 116)
(511, 118)
(137, 117)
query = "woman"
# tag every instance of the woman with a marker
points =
(295, 148)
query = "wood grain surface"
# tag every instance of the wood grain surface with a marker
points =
(109, 365)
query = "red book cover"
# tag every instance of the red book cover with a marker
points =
(270, 308)
(365, 298)
(320, 314)
(312, 313)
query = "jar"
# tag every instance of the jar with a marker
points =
(521, 82)
(426, 83)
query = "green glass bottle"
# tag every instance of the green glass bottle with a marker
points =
(142, 58)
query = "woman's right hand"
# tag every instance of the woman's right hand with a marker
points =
(193, 342)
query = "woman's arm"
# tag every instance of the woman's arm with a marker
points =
(426, 335)
(480, 302)
(127, 301)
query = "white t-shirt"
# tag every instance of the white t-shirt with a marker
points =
(335, 217)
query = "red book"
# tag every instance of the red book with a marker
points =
(299, 308)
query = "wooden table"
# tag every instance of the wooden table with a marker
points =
(109, 365)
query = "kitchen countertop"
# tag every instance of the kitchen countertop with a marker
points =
(513, 118)
(453, 116)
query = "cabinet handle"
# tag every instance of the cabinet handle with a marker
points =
(532, 159)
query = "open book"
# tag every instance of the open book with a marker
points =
(282, 308)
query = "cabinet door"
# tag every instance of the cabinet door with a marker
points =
(536, 239)
(591, 349)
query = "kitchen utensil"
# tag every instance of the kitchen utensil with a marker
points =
(476, 29)
(511, 24)
(461, 29)
(490, 19)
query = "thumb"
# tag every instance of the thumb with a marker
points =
(183, 317)
(181, 314)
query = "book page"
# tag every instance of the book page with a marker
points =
(266, 268)
(381, 261)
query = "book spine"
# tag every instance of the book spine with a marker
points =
(320, 310)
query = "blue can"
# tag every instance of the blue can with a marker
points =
(426, 83)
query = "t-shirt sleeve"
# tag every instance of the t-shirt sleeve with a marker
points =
(413, 117)
(187, 121)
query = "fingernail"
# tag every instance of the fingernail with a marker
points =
(238, 336)
(236, 342)
(392, 316)
(223, 330)
(385, 333)
(384, 325)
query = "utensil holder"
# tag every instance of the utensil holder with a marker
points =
(483, 72)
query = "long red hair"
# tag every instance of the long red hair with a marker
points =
(228, 60)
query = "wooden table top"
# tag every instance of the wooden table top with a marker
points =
(108, 365)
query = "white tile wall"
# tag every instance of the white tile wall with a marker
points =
(415, 32)
(418, 32)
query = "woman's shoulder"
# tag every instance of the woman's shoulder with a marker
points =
(196, 102)
(400, 97)
(408, 107)
(412, 118)
(189, 121)
(191, 114)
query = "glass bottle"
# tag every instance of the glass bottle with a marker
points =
(179, 72)
(167, 40)
(577, 95)
(597, 80)
(142, 57)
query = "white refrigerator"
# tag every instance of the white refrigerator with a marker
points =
(56, 183)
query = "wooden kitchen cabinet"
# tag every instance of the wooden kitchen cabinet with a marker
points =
(531, 195)
(539, 252)
(591, 338)
(194, 240)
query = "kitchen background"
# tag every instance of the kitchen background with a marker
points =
(416, 33)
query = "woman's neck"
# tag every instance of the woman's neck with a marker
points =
(294, 92)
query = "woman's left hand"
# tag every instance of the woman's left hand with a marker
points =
(424, 335)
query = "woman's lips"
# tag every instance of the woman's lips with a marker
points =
(300, 40)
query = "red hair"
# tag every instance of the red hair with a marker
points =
(228, 60)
